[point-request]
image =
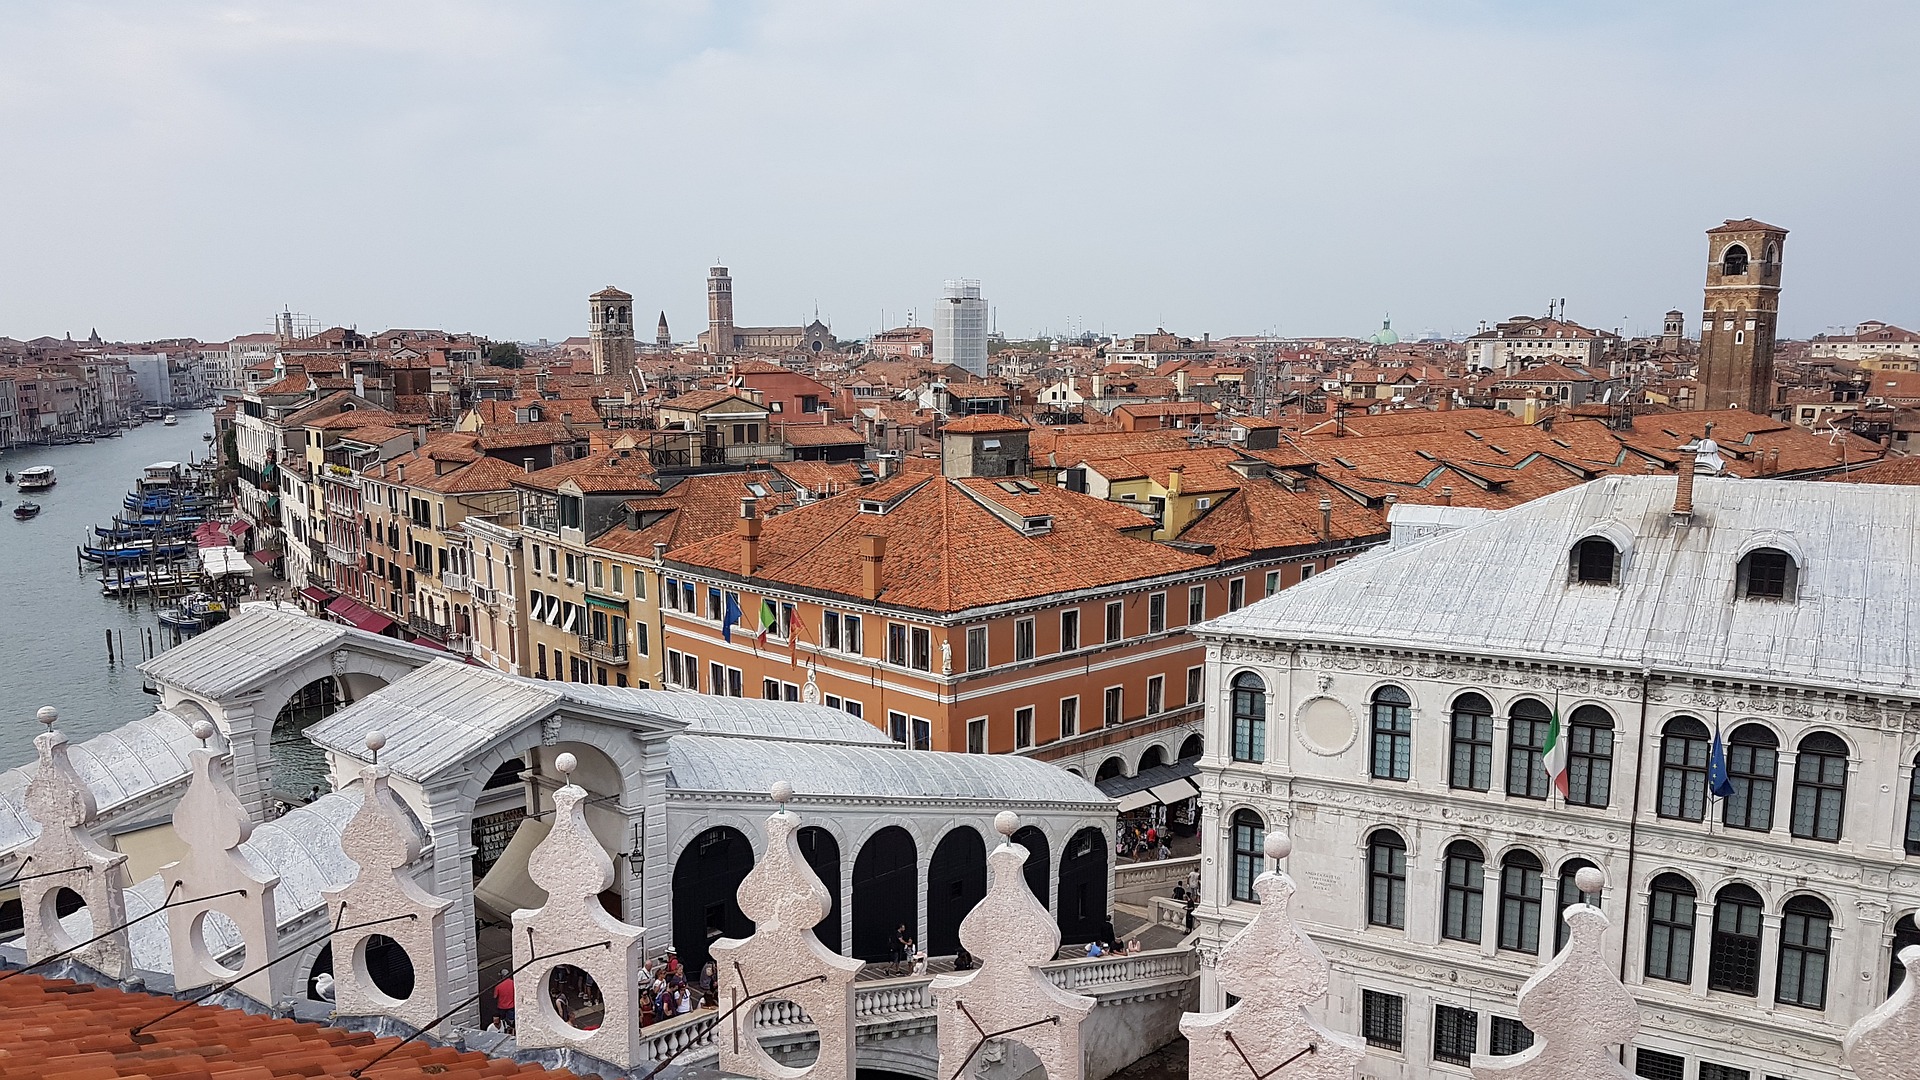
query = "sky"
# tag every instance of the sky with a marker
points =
(185, 168)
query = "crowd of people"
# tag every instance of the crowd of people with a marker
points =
(1142, 841)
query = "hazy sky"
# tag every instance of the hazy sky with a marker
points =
(189, 168)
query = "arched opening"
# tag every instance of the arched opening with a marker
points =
(1733, 262)
(1820, 788)
(492, 832)
(573, 997)
(1392, 756)
(1670, 900)
(1110, 768)
(1192, 747)
(1249, 702)
(884, 893)
(1733, 957)
(1768, 574)
(1683, 769)
(1152, 759)
(1466, 869)
(1568, 895)
(1806, 940)
(956, 880)
(822, 853)
(1595, 561)
(1470, 767)
(706, 881)
(317, 988)
(1589, 756)
(1753, 766)
(1036, 868)
(1249, 854)
(300, 767)
(1386, 879)
(1082, 914)
(1520, 902)
(1905, 933)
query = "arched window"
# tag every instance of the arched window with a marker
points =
(1820, 788)
(1249, 717)
(1733, 962)
(1670, 929)
(1471, 767)
(1392, 734)
(1589, 757)
(1466, 886)
(1769, 258)
(1806, 936)
(1768, 574)
(1520, 902)
(1753, 758)
(1913, 810)
(1594, 561)
(1683, 769)
(1249, 853)
(1386, 879)
(1191, 747)
(1905, 933)
(1569, 894)
(1527, 724)
(1734, 262)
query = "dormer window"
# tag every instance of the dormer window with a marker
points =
(1768, 574)
(1734, 262)
(1595, 561)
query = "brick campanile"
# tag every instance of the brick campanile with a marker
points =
(719, 311)
(1737, 321)
(610, 314)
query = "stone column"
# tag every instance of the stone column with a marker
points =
(1770, 960)
(449, 820)
(250, 743)
(1702, 945)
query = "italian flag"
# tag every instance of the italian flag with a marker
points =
(1554, 754)
(768, 620)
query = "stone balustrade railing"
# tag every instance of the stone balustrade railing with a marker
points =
(1140, 882)
(1156, 965)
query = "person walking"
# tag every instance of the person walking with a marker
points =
(503, 998)
(903, 949)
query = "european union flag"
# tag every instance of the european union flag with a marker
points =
(1717, 780)
(732, 618)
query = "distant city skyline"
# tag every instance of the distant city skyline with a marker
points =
(1226, 169)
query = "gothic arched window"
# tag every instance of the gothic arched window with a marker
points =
(1734, 262)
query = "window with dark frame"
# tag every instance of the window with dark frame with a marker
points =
(1913, 810)
(1382, 1019)
(1116, 624)
(1392, 734)
(1595, 561)
(1249, 853)
(1589, 757)
(1456, 1034)
(1658, 1065)
(1670, 929)
(1733, 958)
(1768, 573)
(1683, 769)
(1507, 1036)
(1566, 895)
(1905, 933)
(1527, 724)
(1710, 1071)
(1753, 762)
(1520, 903)
(1387, 880)
(1471, 768)
(1806, 932)
(1820, 788)
(1249, 707)
(1466, 870)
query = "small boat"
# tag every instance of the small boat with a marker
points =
(38, 478)
(26, 510)
(206, 436)
(170, 420)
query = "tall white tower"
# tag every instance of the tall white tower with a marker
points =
(960, 327)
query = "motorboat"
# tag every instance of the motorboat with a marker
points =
(170, 420)
(38, 478)
(26, 510)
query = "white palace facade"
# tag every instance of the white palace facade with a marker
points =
(1391, 717)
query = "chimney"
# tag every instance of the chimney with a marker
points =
(1683, 491)
(1099, 386)
(1446, 495)
(540, 383)
(359, 384)
(400, 473)
(1326, 518)
(1772, 462)
(659, 552)
(1446, 402)
(1181, 380)
(419, 436)
(749, 536)
(1173, 482)
(526, 463)
(1530, 411)
(873, 551)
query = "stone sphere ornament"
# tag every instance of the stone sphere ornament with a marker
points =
(782, 792)
(376, 740)
(1279, 845)
(566, 763)
(1589, 880)
(203, 730)
(48, 715)
(1006, 823)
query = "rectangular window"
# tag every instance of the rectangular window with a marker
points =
(716, 677)
(1196, 604)
(1710, 1071)
(1069, 717)
(1236, 594)
(619, 585)
(830, 630)
(1382, 1019)
(921, 658)
(1157, 613)
(977, 735)
(770, 689)
(1023, 639)
(832, 701)
(673, 667)
(1655, 1065)
(1273, 582)
(1069, 629)
(1456, 1034)
(897, 644)
(922, 734)
(686, 597)
(897, 727)
(1115, 621)
(854, 708)
(1110, 716)
(1156, 694)
(1306, 571)
(536, 558)
(851, 625)
(1023, 727)
(716, 604)
(1509, 1036)
(599, 574)
(736, 683)
(1196, 683)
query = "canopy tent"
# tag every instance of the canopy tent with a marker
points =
(507, 888)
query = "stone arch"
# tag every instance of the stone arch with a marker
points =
(1039, 858)
(821, 849)
(1192, 746)
(885, 892)
(1111, 768)
(706, 880)
(1082, 911)
(1152, 757)
(956, 881)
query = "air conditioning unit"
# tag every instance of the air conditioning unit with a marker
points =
(1238, 434)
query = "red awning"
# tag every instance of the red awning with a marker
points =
(430, 643)
(320, 597)
(238, 527)
(356, 614)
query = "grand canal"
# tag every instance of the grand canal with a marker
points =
(53, 620)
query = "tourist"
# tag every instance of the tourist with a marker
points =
(1093, 949)
(503, 997)
(709, 983)
(903, 949)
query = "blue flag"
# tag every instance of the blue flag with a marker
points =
(732, 619)
(1717, 780)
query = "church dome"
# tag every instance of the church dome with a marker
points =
(1385, 335)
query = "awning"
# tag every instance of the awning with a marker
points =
(1136, 801)
(611, 605)
(264, 559)
(319, 597)
(222, 561)
(1174, 792)
(1148, 779)
(356, 614)
(422, 639)
(507, 887)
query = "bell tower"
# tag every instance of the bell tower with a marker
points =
(719, 311)
(1737, 321)
(611, 332)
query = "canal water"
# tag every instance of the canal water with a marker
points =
(53, 620)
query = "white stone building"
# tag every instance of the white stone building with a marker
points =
(1391, 717)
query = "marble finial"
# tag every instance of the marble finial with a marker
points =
(1276, 971)
(786, 900)
(1589, 880)
(1885, 1044)
(1006, 823)
(376, 742)
(1577, 1008)
(782, 792)
(203, 730)
(1009, 935)
(565, 763)
(48, 715)
(61, 804)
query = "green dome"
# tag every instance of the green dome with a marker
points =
(1385, 335)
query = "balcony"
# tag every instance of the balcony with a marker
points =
(483, 595)
(340, 556)
(609, 652)
(426, 627)
(453, 582)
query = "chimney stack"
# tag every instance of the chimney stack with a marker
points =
(873, 551)
(749, 536)
(1326, 518)
(1174, 485)
(659, 552)
(1683, 491)
(1530, 411)
(359, 384)
(1446, 402)
(1446, 495)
